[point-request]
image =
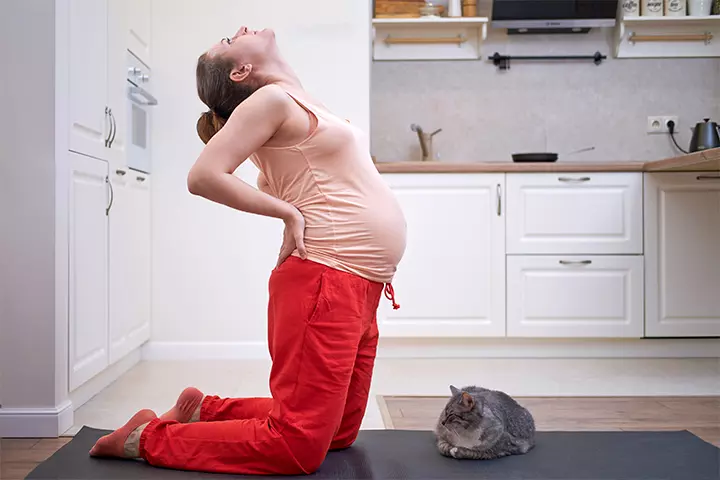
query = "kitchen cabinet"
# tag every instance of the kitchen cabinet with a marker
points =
(682, 249)
(575, 296)
(451, 281)
(574, 213)
(88, 71)
(99, 40)
(129, 320)
(88, 267)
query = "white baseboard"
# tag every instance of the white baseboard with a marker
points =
(205, 351)
(36, 422)
(101, 381)
(460, 348)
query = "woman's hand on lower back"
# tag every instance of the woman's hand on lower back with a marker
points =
(293, 237)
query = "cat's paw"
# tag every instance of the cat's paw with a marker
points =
(453, 452)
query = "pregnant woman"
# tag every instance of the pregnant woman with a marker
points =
(344, 237)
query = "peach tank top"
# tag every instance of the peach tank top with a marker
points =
(353, 220)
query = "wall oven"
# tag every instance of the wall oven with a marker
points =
(140, 101)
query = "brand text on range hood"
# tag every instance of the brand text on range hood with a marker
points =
(554, 14)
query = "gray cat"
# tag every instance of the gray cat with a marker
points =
(482, 424)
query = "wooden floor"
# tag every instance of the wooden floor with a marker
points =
(699, 415)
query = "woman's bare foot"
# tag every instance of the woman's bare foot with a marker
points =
(113, 445)
(187, 404)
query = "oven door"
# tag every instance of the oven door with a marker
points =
(140, 103)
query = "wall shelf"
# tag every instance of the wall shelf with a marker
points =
(668, 37)
(428, 38)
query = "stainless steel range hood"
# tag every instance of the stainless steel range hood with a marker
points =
(541, 16)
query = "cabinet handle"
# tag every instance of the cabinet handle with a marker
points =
(574, 180)
(140, 179)
(114, 129)
(112, 196)
(575, 262)
(107, 117)
(499, 200)
(708, 177)
(120, 173)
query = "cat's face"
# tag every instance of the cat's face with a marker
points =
(461, 420)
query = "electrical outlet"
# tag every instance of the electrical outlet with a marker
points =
(659, 124)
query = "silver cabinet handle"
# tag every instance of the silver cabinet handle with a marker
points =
(499, 200)
(114, 129)
(708, 177)
(575, 262)
(107, 117)
(120, 173)
(112, 196)
(140, 179)
(574, 180)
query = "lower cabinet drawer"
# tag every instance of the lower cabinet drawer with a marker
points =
(575, 296)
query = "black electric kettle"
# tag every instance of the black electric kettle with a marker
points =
(705, 135)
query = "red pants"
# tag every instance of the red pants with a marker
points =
(322, 334)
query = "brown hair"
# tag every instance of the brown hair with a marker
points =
(219, 92)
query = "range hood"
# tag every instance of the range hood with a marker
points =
(550, 16)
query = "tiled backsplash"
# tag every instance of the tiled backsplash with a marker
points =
(487, 114)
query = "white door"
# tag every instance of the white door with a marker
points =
(138, 28)
(89, 123)
(118, 39)
(451, 282)
(88, 303)
(682, 251)
(578, 213)
(129, 264)
(575, 296)
(121, 275)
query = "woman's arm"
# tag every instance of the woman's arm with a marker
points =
(250, 126)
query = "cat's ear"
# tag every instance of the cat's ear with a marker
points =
(468, 401)
(454, 390)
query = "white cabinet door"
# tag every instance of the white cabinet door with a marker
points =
(568, 296)
(138, 28)
(578, 213)
(88, 303)
(682, 251)
(121, 275)
(129, 264)
(451, 282)
(139, 327)
(89, 123)
(118, 39)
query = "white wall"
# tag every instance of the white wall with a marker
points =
(211, 264)
(27, 206)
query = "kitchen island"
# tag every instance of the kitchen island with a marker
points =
(575, 250)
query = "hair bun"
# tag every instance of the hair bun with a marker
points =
(208, 125)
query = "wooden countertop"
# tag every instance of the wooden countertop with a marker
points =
(709, 160)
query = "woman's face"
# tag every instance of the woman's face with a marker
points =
(246, 46)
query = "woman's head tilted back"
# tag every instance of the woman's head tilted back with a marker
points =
(227, 75)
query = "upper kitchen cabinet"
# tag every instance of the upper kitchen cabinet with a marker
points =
(682, 254)
(451, 281)
(574, 213)
(101, 32)
(90, 124)
(668, 37)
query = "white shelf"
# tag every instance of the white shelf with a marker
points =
(441, 21)
(670, 21)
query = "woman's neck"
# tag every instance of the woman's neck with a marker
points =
(280, 73)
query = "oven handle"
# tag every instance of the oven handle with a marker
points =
(149, 100)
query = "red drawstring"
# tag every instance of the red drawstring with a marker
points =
(390, 295)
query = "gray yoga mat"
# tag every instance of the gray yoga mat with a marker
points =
(398, 454)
